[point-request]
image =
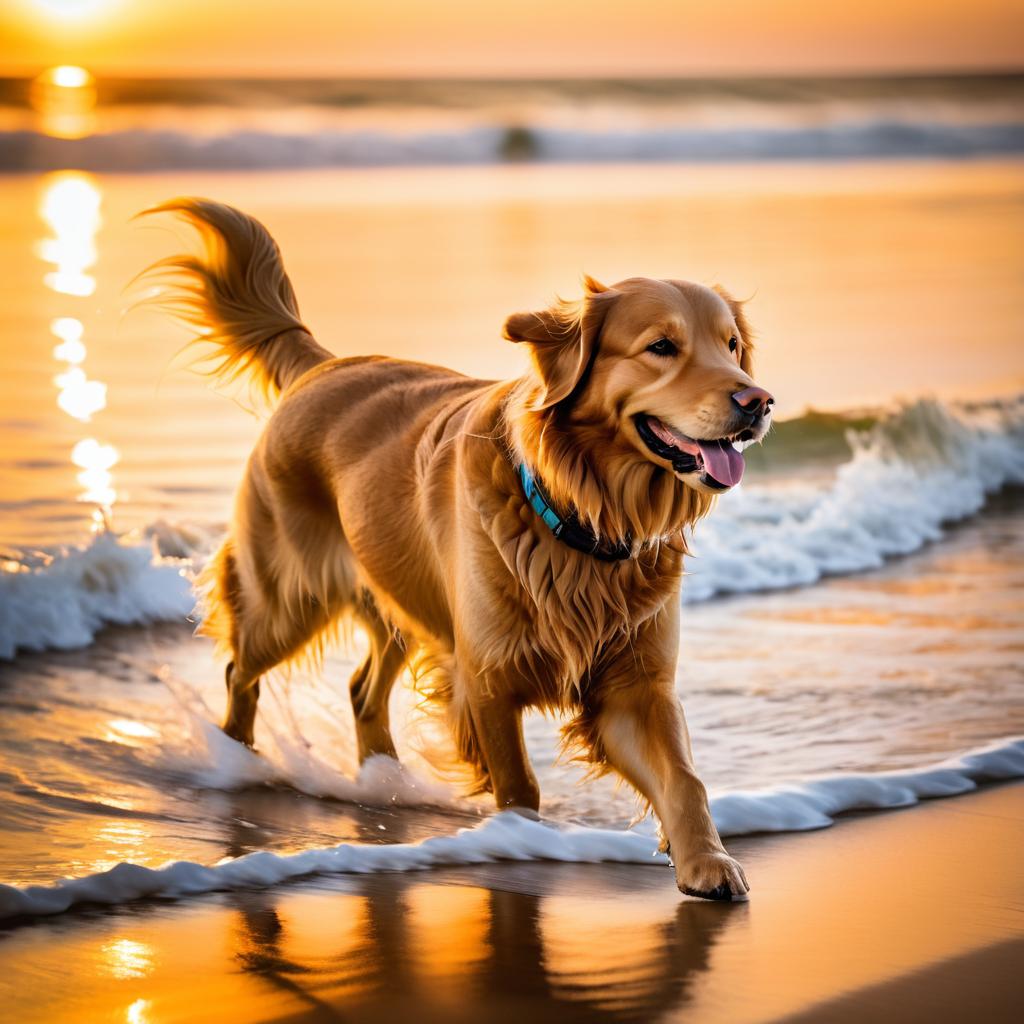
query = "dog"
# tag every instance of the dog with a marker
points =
(522, 539)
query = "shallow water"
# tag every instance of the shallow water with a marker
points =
(867, 282)
(872, 563)
(109, 753)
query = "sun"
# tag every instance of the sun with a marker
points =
(71, 10)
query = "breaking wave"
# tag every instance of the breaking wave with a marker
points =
(912, 472)
(60, 600)
(509, 837)
(906, 475)
(166, 149)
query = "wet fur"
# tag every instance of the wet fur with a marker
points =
(384, 492)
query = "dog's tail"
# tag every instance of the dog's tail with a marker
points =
(238, 297)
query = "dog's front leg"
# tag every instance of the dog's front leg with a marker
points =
(488, 724)
(639, 725)
(497, 722)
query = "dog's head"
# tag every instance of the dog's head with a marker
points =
(665, 365)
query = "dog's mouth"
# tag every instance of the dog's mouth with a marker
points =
(719, 461)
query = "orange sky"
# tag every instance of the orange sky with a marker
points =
(522, 37)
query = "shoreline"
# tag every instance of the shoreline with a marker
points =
(841, 923)
(810, 805)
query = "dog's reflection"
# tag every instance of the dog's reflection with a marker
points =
(395, 947)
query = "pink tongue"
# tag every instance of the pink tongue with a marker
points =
(722, 461)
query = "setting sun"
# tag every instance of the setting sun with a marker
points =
(72, 10)
(67, 76)
(64, 97)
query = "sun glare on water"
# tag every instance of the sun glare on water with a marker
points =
(136, 1013)
(96, 461)
(126, 958)
(70, 208)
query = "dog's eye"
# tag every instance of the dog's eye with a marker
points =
(663, 347)
(732, 344)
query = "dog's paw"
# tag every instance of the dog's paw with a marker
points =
(712, 876)
(245, 737)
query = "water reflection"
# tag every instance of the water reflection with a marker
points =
(113, 841)
(127, 731)
(64, 99)
(70, 207)
(79, 396)
(126, 958)
(136, 1013)
(96, 460)
(456, 952)
(69, 330)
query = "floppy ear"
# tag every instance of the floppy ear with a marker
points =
(746, 331)
(562, 339)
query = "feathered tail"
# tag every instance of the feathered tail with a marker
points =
(238, 297)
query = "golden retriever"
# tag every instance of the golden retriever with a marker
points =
(523, 538)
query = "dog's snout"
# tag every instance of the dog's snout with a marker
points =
(754, 401)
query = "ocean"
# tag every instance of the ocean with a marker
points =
(286, 123)
(852, 617)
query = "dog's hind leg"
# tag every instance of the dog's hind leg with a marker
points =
(240, 720)
(258, 647)
(259, 624)
(371, 684)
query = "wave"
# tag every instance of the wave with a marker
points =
(911, 472)
(60, 600)
(926, 465)
(813, 804)
(509, 837)
(169, 149)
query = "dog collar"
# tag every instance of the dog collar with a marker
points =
(568, 529)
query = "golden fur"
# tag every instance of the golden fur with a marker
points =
(386, 491)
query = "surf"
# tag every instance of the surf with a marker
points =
(507, 836)
(842, 494)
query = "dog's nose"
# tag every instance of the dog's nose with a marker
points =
(754, 401)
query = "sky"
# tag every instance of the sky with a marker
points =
(520, 38)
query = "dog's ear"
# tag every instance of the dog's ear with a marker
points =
(563, 339)
(746, 331)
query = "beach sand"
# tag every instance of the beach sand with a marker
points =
(911, 915)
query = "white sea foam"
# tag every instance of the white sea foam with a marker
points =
(507, 836)
(924, 466)
(60, 600)
(813, 804)
(208, 758)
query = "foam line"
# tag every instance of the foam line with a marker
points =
(507, 836)
(814, 804)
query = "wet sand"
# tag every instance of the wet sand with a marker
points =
(914, 915)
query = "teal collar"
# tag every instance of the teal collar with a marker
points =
(568, 529)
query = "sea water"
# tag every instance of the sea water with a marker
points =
(851, 620)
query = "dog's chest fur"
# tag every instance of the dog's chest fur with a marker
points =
(558, 613)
